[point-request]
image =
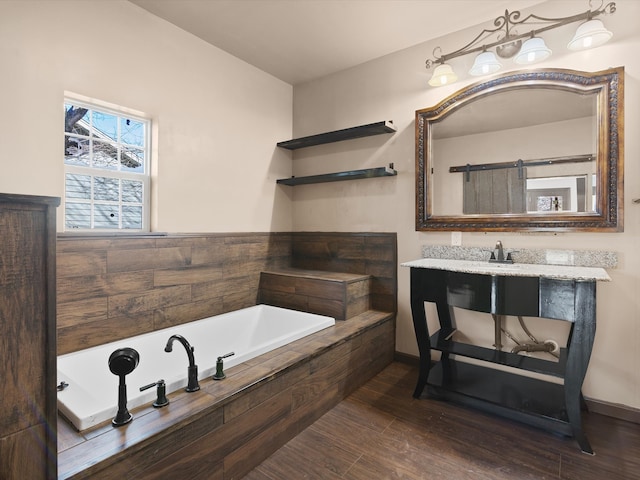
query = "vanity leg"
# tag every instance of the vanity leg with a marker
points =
(579, 353)
(447, 329)
(421, 329)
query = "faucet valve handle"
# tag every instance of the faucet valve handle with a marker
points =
(161, 399)
(220, 375)
(509, 257)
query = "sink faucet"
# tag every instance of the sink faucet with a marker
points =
(497, 255)
(192, 384)
(500, 256)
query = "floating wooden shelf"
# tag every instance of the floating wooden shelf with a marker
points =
(339, 135)
(339, 176)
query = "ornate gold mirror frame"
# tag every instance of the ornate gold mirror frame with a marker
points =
(603, 213)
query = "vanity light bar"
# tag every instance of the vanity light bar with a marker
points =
(508, 43)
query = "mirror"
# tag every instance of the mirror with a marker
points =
(528, 150)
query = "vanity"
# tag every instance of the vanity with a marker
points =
(489, 378)
(536, 150)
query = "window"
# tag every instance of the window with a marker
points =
(106, 168)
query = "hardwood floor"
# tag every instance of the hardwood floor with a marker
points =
(382, 432)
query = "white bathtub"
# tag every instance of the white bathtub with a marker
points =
(92, 394)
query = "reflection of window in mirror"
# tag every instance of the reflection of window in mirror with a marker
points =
(559, 194)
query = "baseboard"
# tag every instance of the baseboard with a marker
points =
(615, 410)
(406, 358)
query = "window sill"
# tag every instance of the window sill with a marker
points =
(110, 234)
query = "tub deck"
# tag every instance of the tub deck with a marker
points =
(248, 332)
(237, 422)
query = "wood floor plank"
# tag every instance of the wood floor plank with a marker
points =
(287, 464)
(371, 467)
(468, 454)
(363, 414)
(257, 474)
(403, 458)
(381, 432)
(617, 447)
(332, 455)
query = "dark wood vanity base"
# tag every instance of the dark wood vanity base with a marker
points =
(545, 404)
(528, 400)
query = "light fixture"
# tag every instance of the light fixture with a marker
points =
(533, 50)
(508, 50)
(509, 44)
(442, 75)
(484, 64)
(590, 34)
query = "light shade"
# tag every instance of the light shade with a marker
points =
(533, 50)
(442, 75)
(590, 34)
(484, 64)
(509, 49)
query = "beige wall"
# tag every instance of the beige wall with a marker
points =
(392, 88)
(217, 118)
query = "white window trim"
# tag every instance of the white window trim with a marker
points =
(122, 175)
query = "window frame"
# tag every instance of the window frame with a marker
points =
(118, 173)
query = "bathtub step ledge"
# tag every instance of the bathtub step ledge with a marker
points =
(335, 294)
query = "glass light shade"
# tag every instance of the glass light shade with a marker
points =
(533, 50)
(590, 34)
(509, 49)
(443, 75)
(484, 64)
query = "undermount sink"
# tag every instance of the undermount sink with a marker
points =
(563, 272)
(510, 266)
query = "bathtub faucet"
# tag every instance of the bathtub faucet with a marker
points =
(192, 384)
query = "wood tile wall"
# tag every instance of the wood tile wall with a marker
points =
(111, 288)
(374, 254)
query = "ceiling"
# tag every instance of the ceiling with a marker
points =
(301, 40)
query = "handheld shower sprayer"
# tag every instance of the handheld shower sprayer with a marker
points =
(122, 362)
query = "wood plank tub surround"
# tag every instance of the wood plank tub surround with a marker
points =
(230, 426)
(335, 294)
(219, 432)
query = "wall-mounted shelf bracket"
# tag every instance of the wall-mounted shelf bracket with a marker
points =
(368, 130)
(339, 176)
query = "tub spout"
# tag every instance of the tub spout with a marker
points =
(192, 373)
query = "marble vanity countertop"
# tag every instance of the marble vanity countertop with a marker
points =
(561, 272)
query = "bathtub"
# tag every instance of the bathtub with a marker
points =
(91, 396)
